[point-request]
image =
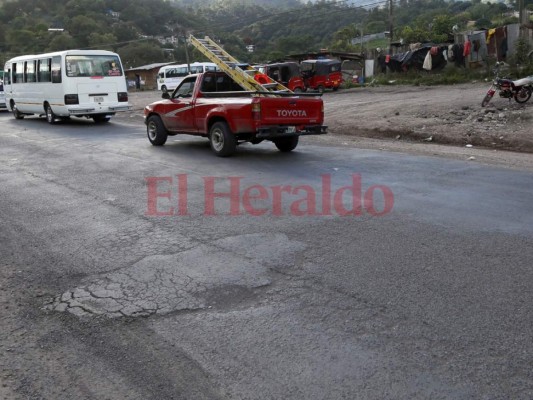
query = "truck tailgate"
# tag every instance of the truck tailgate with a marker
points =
(291, 111)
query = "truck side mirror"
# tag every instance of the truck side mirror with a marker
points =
(165, 95)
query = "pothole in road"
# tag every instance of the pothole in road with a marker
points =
(160, 284)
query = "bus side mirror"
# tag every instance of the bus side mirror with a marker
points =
(165, 95)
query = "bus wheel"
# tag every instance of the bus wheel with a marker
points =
(50, 116)
(101, 119)
(16, 113)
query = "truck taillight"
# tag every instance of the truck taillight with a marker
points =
(256, 111)
(122, 96)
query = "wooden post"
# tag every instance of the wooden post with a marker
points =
(391, 26)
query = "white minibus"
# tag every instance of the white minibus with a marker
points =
(170, 76)
(81, 83)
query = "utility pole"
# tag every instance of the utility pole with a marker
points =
(186, 35)
(391, 26)
(522, 17)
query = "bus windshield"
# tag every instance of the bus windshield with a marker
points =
(103, 65)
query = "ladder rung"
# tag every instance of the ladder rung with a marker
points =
(244, 76)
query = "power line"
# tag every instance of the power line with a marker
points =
(314, 12)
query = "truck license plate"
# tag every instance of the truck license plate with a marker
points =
(98, 99)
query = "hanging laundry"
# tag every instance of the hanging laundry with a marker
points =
(466, 49)
(490, 33)
(427, 62)
(503, 48)
(451, 56)
(458, 50)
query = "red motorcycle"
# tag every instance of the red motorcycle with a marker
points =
(520, 89)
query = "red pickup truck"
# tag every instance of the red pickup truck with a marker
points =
(212, 105)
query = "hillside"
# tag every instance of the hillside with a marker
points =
(144, 35)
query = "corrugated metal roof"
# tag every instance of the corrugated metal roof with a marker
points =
(149, 66)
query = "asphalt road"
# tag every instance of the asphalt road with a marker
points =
(424, 290)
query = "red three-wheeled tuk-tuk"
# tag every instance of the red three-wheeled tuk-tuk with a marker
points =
(321, 74)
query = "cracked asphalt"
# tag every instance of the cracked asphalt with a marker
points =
(101, 300)
(164, 284)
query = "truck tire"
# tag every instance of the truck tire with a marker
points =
(286, 144)
(321, 89)
(164, 89)
(156, 131)
(223, 142)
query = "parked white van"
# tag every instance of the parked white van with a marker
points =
(170, 76)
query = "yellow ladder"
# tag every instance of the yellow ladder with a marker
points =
(244, 76)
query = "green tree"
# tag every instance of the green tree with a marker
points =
(137, 54)
(81, 27)
(105, 41)
(62, 41)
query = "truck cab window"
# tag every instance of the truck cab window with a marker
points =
(185, 89)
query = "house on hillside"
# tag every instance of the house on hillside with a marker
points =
(144, 77)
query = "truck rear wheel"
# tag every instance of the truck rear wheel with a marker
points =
(286, 144)
(223, 142)
(156, 131)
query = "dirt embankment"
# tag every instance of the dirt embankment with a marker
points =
(443, 114)
(439, 114)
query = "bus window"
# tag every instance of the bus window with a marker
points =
(7, 76)
(172, 73)
(44, 70)
(56, 69)
(18, 73)
(88, 65)
(29, 71)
